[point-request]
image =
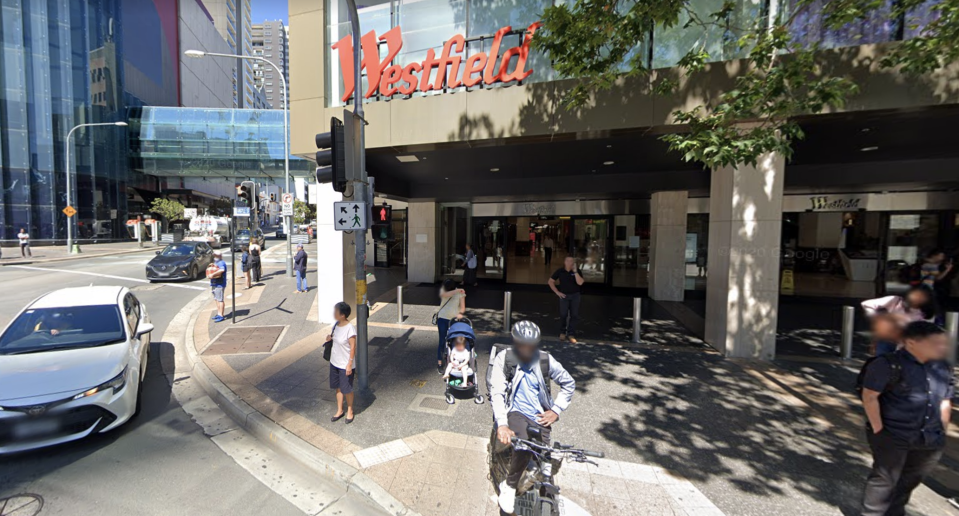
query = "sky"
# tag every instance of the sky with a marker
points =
(262, 10)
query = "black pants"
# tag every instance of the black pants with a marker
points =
(896, 471)
(519, 424)
(569, 313)
(256, 271)
(469, 276)
(549, 254)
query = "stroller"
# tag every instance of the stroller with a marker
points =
(458, 387)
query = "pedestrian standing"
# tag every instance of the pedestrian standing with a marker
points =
(217, 275)
(255, 251)
(245, 266)
(918, 304)
(299, 267)
(934, 268)
(342, 354)
(567, 284)
(907, 396)
(452, 306)
(469, 275)
(548, 248)
(24, 243)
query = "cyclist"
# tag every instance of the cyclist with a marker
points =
(521, 398)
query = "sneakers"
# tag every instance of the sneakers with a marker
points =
(507, 498)
(572, 340)
(218, 318)
(562, 336)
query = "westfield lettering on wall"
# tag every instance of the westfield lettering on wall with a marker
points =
(451, 70)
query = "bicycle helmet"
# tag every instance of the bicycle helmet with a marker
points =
(526, 332)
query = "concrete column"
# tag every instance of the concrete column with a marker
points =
(335, 259)
(667, 246)
(742, 288)
(423, 244)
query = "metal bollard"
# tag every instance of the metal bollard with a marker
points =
(848, 326)
(507, 310)
(637, 318)
(399, 304)
(952, 330)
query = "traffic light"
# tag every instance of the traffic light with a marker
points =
(272, 197)
(331, 157)
(382, 217)
(246, 194)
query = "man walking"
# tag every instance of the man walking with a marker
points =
(907, 396)
(218, 284)
(567, 283)
(548, 248)
(521, 399)
(24, 243)
(299, 267)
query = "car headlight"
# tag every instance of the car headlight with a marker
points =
(116, 383)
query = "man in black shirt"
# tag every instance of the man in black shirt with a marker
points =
(566, 283)
(907, 396)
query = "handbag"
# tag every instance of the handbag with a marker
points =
(436, 314)
(328, 346)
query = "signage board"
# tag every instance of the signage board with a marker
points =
(478, 67)
(241, 211)
(350, 216)
(189, 213)
(69, 211)
(286, 205)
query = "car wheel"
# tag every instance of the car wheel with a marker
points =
(194, 273)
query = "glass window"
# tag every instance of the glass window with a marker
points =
(49, 329)
(671, 44)
(808, 27)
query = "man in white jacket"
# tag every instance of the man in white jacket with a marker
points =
(520, 397)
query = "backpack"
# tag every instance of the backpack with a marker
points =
(895, 369)
(510, 363)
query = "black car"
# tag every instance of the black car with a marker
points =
(243, 239)
(185, 260)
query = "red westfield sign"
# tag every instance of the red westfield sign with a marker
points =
(390, 80)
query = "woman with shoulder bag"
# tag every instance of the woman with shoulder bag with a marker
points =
(340, 350)
(452, 306)
(255, 251)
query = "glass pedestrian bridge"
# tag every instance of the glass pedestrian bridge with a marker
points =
(201, 142)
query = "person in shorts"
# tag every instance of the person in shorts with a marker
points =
(342, 358)
(24, 238)
(218, 285)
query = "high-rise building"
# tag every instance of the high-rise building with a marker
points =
(233, 20)
(271, 41)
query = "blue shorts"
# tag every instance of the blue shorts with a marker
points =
(340, 380)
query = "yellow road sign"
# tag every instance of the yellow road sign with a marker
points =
(69, 211)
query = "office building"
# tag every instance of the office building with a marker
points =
(233, 20)
(270, 41)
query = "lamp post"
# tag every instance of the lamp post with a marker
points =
(286, 140)
(70, 246)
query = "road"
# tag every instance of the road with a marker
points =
(159, 463)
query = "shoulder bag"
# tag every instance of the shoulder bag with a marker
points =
(328, 345)
(436, 314)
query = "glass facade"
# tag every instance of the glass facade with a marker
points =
(63, 63)
(427, 24)
(234, 143)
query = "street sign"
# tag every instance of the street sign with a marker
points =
(349, 216)
(287, 205)
(243, 211)
(189, 213)
(69, 211)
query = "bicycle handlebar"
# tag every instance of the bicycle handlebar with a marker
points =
(557, 447)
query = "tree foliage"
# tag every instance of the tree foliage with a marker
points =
(168, 209)
(303, 212)
(599, 41)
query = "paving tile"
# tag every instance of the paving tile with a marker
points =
(419, 442)
(477, 443)
(687, 496)
(639, 472)
(411, 470)
(435, 500)
(350, 459)
(385, 452)
(608, 487)
(449, 439)
(383, 474)
(405, 492)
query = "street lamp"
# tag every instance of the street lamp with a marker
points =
(70, 246)
(286, 140)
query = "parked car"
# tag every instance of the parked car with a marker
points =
(183, 260)
(243, 239)
(73, 364)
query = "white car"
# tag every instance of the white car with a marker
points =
(71, 364)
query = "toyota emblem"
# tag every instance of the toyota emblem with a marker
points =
(35, 410)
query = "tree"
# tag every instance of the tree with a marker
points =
(221, 207)
(168, 209)
(598, 41)
(303, 212)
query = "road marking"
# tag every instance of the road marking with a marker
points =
(110, 276)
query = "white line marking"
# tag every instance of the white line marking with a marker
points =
(97, 274)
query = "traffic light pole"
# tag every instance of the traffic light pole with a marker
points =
(360, 195)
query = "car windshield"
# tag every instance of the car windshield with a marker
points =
(177, 250)
(50, 329)
(243, 233)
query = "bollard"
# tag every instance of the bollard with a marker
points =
(507, 310)
(848, 326)
(952, 330)
(399, 304)
(637, 318)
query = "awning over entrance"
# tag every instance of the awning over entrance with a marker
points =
(235, 143)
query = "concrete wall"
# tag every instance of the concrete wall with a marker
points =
(206, 82)
(423, 245)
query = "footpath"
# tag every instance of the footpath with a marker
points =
(685, 431)
(58, 253)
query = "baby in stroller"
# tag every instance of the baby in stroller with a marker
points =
(460, 374)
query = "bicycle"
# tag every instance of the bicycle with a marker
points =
(537, 493)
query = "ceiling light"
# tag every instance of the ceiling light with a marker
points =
(494, 170)
(868, 149)
(407, 159)
(609, 146)
(608, 162)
